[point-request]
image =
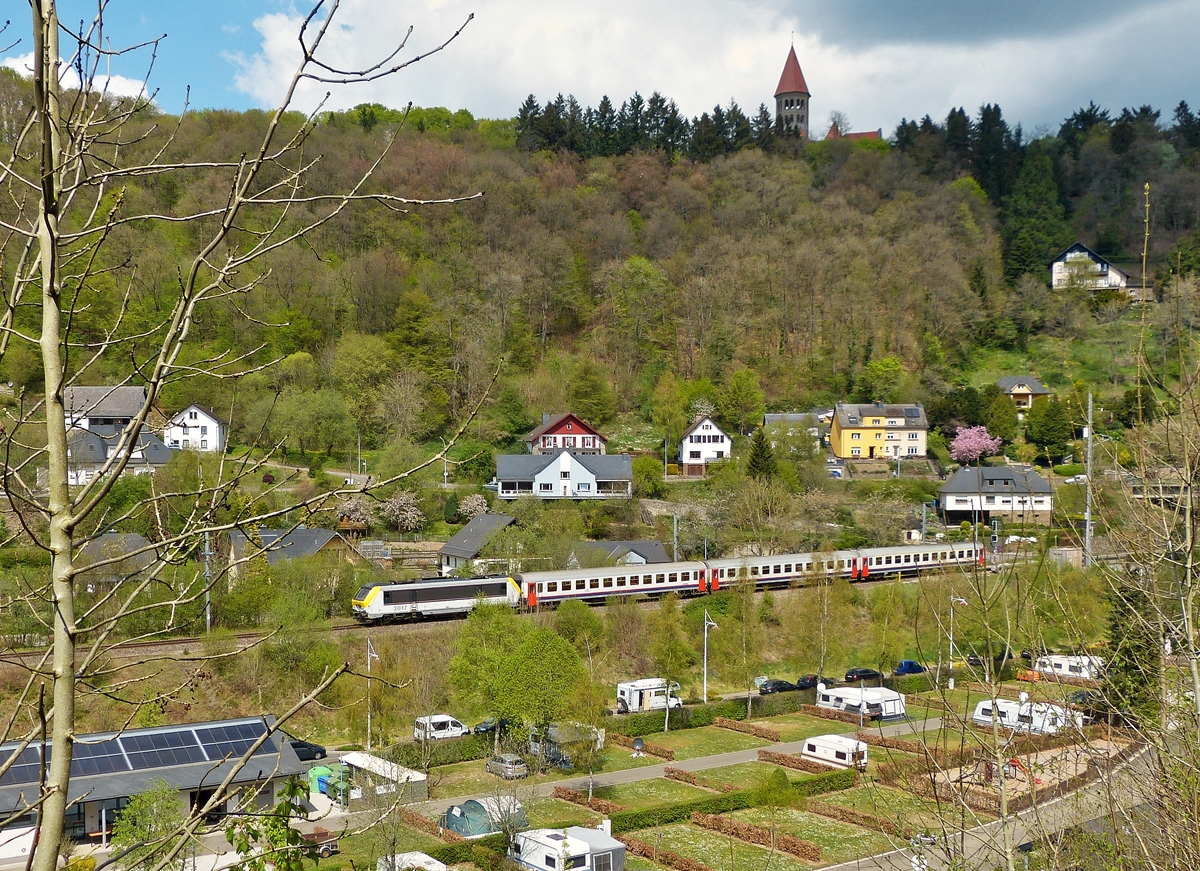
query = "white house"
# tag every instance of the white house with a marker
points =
(703, 442)
(87, 407)
(978, 493)
(564, 475)
(89, 450)
(1079, 265)
(196, 428)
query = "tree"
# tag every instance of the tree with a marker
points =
(1002, 419)
(76, 225)
(1035, 228)
(973, 442)
(151, 825)
(1048, 425)
(403, 511)
(591, 397)
(1133, 669)
(490, 634)
(742, 402)
(472, 506)
(668, 411)
(648, 478)
(669, 647)
(761, 463)
(538, 682)
(879, 380)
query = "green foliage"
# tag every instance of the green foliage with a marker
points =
(880, 380)
(447, 751)
(489, 636)
(742, 403)
(1002, 419)
(1035, 228)
(1048, 425)
(671, 652)
(1133, 662)
(760, 463)
(1069, 469)
(450, 509)
(268, 840)
(591, 397)
(148, 824)
(580, 625)
(539, 680)
(648, 478)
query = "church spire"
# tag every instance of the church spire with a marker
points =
(791, 97)
(792, 80)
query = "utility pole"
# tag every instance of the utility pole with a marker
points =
(445, 466)
(708, 624)
(207, 584)
(924, 521)
(675, 538)
(371, 654)
(1087, 506)
(358, 466)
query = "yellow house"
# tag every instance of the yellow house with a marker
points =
(878, 431)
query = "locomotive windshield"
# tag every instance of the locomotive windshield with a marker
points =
(363, 591)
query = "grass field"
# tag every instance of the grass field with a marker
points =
(544, 812)
(362, 851)
(839, 842)
(650, 793)
(900, 807)
(705, 741)
(746, 775)
(470, 778)
(794, 727)
(718, 852)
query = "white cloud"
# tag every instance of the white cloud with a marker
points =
(709, 51)
(117, 86)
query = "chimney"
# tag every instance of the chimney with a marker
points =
(545, 418)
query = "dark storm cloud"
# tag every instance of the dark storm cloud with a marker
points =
(857, 24)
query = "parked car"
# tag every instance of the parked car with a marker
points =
(1029, 654)
(1076, 479)
(508, 766)
(855, 675)
(909, 666)
(307, 751)
(438, 726)
(777, 686)
(491, 724)
(810, 681)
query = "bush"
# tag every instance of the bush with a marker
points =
(911, 683)
(444, 752)
(1067, 470)
(835, 781)
(695, 716)
(632, 821)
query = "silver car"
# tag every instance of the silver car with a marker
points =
(507, 765)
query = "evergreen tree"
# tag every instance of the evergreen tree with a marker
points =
(591, 397)
(995, 152)
(1134, 660)
(1048, 425)
(1035, 227)
(763, 127)
(603, 130)
(527, 119)
(761, 462)
(1002, 419)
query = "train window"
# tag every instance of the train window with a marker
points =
(808, 567)
(887, 560)
(778, 569)
(754, 571)
(579, 585)
(540, 590)
(961, 554)
(787, 568)
(672, 577)
(658, 579)
(907, 558)
(594, 584)
(552, 587)
(620, 582)
(634, 580)
(607, 583)
(841, 564)
(722, 574)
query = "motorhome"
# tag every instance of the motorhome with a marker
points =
(571, 849)
(1024, 716)
(647, 694)
(836, 751)
(438, 726)
(1056, 665)
(873, 703)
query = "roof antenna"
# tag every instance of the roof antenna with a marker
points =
(793, 39)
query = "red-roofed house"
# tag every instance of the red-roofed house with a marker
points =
(565, 432)
(791, 97)
(835, 133)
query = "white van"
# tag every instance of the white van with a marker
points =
(439, 726)
(647, 694)
(1034, 718)
(836, 751)
(1089, 667)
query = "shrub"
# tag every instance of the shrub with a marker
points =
(444, 752)
(1067, 470)
(911, 683)
(632, 821)
(834, 781)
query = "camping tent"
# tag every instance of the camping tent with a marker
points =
(474, 819)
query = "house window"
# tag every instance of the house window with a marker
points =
(720, 455)
(602, 862)
(875, 421)
(203, 430)
(912, 436)
(990, 500)
(566, 476)
(186, 443)
(878, 436)
(854, 452)
(693, 455)
(185, 432)
(855, 436)
(584, 486)
(204, 444)
(545, 488)
(192, 415)
(912, 449)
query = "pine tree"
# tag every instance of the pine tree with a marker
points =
(1035, 228)
(761, 462)
(1134, 661)
(1002, 419)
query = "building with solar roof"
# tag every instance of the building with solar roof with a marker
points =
(110, 767)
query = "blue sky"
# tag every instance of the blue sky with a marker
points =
(876, 61)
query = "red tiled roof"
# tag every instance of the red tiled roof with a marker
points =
(792, 80)
(557, 424)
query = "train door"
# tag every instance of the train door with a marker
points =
(703, 583)
(854, 568)
(714, 580)
(866, 568)
(531, 597)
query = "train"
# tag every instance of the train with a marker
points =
(443, 597)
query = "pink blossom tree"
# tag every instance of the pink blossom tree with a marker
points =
(973, 442)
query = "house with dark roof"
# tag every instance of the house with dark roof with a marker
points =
(621, 553)
(108, 768)
(1080, 266)
(197, 428)
(90, 450)
(283, 544)
(564, 475)
(979, 493)
(702, 443)
(112, 557)
(87, 407)
(565, 432)
(1023, 390)
(464, 548)
(878, 430)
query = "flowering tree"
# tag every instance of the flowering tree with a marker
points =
(472, 506)
(403, 511)
(973, 442)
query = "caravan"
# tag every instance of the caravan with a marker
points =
(574, 848)
(1025, 716)
(836, 751)
(1056, 665)
(647, 694)
(873, 703)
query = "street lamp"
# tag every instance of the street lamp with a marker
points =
(371, 654)
(954, 600)
(708, 622)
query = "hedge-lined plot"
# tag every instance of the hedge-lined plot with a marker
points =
(744, 775)
(796, 727)
(706, 741)
(839, 842)
(644, 794)
(897, 805)
(713, 850)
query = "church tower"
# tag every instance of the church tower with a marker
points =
(791, 97)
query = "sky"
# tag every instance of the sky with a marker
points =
(875, 61)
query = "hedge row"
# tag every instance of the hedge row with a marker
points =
(635, 820)
(758, 835)
(829, 714)
(689, 777)
(580, 798)
(443, 752)
(788, 760)
(754, 729)
(834, 781)
(653, 749)
(858, 818)
(694, 716)
(486, 853)
(663, 857)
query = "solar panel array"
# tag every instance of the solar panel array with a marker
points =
(139, 752)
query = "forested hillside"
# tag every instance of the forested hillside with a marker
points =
(822, 271)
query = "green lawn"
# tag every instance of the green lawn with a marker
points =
(470, 778)
(746, 775)
(362, 851)
(902, 808)
(705, 741)
(544, 812)
(718, 852)
(795, 727)
(650, 793)
(839, 842)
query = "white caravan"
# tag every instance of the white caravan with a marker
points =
(1023, 716)
(647, 694)
(880, 703)
(836, 751)
(571, 849)
(1089, 667)
(439, 726)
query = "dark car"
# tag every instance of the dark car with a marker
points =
(777, 686)
(307, 751)
(1029, 654)
(810, 681)
(909, 666)
(491, 724)
(855, 675)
